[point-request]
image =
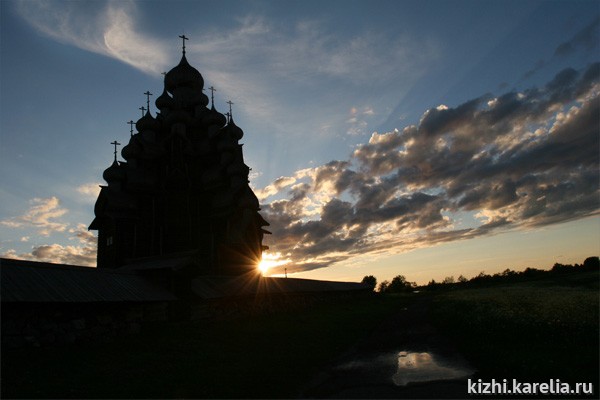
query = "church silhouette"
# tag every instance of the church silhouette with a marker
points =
(179, 236)
(182, 194)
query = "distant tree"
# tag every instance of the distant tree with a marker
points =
(448, 280)
(462, 279)
(529, 272)
(480, 279)
(383, 286)
(559, 268)
(483, 275)
(371, 281)
(591, 263)
(400, 284)
(432, 285)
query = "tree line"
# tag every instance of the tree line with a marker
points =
(400, 284)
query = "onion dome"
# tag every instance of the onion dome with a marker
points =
(204, 100)
(114, 173)
(183, 75)
(164, 101)
(146, 123)
(235, 131)
(132, 150)
(214, 118)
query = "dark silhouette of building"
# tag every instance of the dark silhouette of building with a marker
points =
(182, 193)
(179, 236)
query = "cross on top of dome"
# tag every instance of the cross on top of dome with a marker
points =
(148, 94)
(116, 144)
(183, 39)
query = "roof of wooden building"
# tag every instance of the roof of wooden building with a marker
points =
(213, 287)
(29, 281)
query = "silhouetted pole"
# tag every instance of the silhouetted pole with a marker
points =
(143, 110)
(286, 272)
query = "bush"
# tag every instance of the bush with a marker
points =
(371, 281)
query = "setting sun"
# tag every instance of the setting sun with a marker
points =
(271, 260)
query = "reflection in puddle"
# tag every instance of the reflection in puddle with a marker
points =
(423, 367)
(412, 367)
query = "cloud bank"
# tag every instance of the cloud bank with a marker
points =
(83, 254)
(41, 216)
(518, 160)
(44, 217)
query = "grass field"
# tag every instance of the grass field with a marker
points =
(269, 356)
(535, 331)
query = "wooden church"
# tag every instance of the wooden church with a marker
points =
(182, 191)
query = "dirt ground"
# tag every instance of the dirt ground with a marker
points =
(372, 368)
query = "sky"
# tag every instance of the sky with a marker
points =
(422, 138)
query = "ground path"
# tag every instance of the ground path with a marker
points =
(405, 347)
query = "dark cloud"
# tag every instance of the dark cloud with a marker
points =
(521, 159)
(587, 39)
(538, 66)
(440, 120)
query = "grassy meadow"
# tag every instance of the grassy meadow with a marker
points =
(533, 331)
(267, 356)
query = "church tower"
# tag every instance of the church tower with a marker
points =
(182, 191)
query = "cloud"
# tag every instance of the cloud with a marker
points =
(247, 62)
(275, 187)
(518, 160)
(587, 39)
(41, 215)
(256, 62)
(83, 254)
(106, 28)
(90, 190)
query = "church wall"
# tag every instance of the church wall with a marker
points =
(107, 249)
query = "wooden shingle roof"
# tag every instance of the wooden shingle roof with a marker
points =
(29, 281)
(213, 287)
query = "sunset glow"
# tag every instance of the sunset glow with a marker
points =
(270, 261)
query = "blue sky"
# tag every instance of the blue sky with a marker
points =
(424, 138)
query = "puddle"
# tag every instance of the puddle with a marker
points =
(411, 367)
(425, 367)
